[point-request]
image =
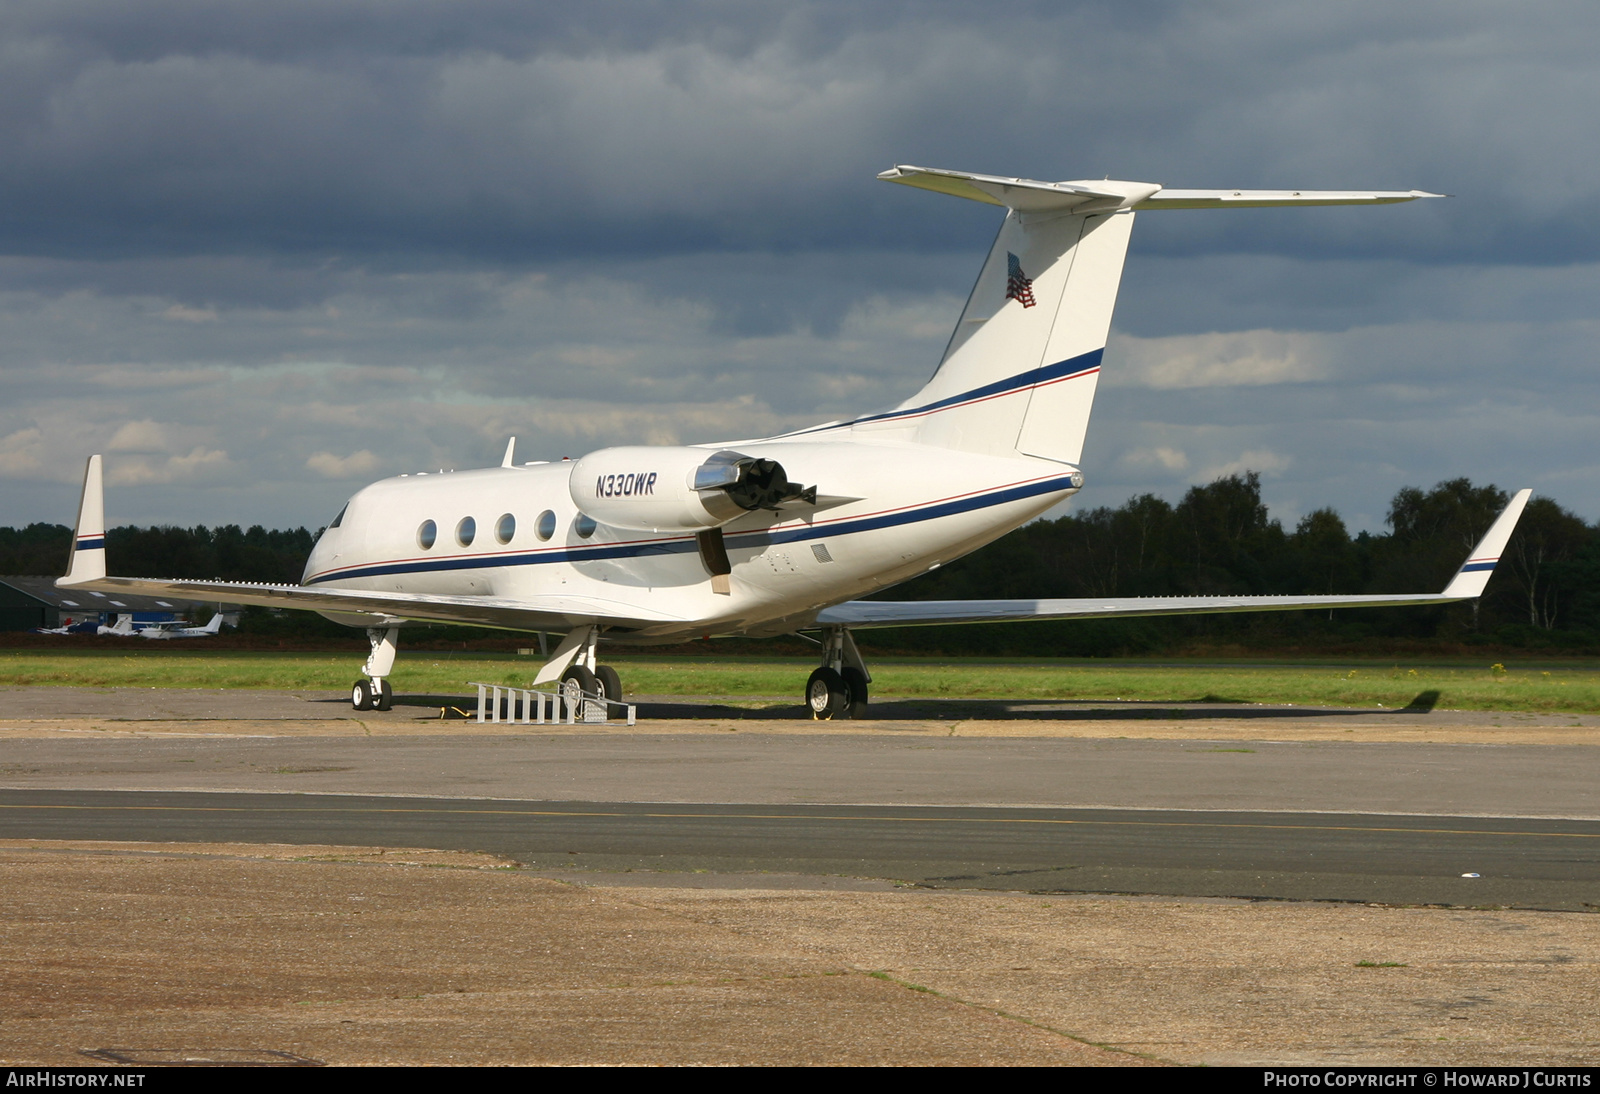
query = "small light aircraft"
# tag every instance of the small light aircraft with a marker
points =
(69, 626)
(172, 630)
(122, 628)
(781, 534)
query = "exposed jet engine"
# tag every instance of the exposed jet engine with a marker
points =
(677, 489)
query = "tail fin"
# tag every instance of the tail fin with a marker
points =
(215, 625)
(1020, 371)
(88, 559)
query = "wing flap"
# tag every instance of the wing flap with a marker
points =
(927, 613)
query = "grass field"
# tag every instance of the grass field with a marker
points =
(1567, 688)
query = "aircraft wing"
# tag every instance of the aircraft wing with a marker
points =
(552, 613)
(1467, 584)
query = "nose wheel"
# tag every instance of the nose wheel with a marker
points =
(371, 695)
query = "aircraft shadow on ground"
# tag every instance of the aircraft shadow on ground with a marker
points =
(955, 710)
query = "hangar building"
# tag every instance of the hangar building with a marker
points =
(29, 601)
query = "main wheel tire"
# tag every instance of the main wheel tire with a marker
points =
(610, 682)
(855, 682)
(361, 695)
(384, 700)
(826, 694)
(576, 683)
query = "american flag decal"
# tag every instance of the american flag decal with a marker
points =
(1019, 286)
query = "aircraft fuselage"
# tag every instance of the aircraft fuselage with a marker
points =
(887, 511)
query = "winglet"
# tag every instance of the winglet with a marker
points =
(511, 453)
(88, 560)
(1474, 573)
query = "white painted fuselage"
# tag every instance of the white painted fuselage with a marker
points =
(889, 510)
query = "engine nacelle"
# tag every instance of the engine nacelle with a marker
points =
(646, 489)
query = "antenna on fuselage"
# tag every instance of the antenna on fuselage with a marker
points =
(511, 451)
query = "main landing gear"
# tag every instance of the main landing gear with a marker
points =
(838, 689)
(600, 682)
(373, 692)
(580, 675)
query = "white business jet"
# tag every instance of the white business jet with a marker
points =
(780, 534)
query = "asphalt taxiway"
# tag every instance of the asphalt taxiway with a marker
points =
(1509, 862)
(944, 882)
(1193, 800)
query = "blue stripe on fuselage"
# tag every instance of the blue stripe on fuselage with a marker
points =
(687, 545)
(1044, 374)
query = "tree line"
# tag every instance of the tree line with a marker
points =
(1218, 539)
(228, 553)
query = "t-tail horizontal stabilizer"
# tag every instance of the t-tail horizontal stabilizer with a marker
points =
(1109, 196)
(1019, 374)
(1468, 584)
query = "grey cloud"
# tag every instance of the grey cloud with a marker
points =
(503, 130)
(419, 369)
(1401, 404)
(385, 235)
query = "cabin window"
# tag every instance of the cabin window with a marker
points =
(505, 528)
(427, 534)
(584, 525)
(466, 531)
(545, 527)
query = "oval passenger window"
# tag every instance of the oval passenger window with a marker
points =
(427, 534)
(465, 531)
(506, 528)
(584, 525)
(546, 525)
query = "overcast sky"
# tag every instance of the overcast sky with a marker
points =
(260, 254)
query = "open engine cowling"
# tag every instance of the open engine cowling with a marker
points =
(648, 489)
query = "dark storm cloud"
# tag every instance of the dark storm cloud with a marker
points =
(510, 132)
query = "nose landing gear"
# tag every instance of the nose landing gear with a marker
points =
(373, 692)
